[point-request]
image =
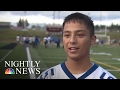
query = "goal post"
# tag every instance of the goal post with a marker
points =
(103, 37)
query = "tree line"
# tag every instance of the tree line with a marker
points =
(112, 27)
(24, 23)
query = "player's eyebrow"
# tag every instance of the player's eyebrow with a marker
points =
(80, 31)
(67, 31)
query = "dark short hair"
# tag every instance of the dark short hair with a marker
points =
(81, 18)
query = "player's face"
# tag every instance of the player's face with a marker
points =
(76, 40)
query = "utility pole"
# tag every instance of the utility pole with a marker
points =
(25, 20)
(59, 15)
(100, 18)
(106, 27)
(53, 17)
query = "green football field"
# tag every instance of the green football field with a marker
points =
(107, 56)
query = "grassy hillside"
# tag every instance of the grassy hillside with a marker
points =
(10, 35)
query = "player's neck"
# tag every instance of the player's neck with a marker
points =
(79, 66)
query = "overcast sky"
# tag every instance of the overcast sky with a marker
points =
(47, 16)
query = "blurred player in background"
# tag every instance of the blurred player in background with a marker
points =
(17, 39)
(49, 40)
(33, 41)
(45, 40)
(30, 38)
(27, 42)
(97, 42)
(36, 41)
(58, 42)
(52, 41)
(24, 38)
(102, 42)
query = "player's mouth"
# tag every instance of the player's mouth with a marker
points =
(73, 49)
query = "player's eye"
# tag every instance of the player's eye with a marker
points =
(67, 35)
(80, 35)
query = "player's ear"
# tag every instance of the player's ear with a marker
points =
(93, 39)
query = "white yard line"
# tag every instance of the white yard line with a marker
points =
(37, 57)
(111, 63)
(32, 76)
(112, 70)
(5, 56)
(104, 57)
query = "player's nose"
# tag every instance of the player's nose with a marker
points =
(73, 40)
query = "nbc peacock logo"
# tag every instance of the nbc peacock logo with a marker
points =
(9, 71)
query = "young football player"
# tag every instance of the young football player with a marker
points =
(78, 36)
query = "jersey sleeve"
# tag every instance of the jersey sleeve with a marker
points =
(107, 75)
(46, 74)
(41, 76)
